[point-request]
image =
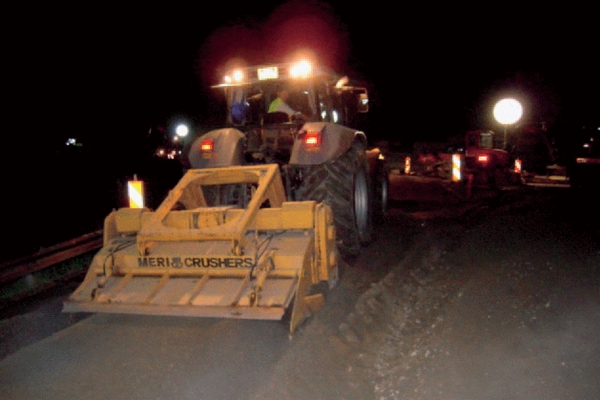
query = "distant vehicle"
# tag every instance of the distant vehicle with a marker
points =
(532, 147)
(483, 158)
(585, 166)
(541, 164)
(490, 164)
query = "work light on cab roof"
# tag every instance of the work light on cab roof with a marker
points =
(236, 76)
(301, 69)
(298, 70)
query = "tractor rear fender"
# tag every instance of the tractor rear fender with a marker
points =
(333, 141)
(227, 149)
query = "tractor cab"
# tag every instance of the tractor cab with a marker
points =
(484, 151)
(315, 95)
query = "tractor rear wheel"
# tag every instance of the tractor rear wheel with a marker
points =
(344, 185)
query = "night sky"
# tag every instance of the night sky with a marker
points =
(105, 74)
(109, 74)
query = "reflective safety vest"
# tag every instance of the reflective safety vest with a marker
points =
(275, 105)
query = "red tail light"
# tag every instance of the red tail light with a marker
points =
(206, 145)
(312, 139)
(482, 158)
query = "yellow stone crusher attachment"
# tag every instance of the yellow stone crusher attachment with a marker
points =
(224, 243)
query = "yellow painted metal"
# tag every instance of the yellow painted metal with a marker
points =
(298, 215)
(269, 188)
(191, 259)
(129, 219)
(326, 251)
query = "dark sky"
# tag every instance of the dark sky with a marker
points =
(104, 74)
(109, 73)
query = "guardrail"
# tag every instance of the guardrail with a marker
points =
(18, 268)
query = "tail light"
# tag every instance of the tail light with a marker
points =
(312, 140)
(207, 146)
(482, 158)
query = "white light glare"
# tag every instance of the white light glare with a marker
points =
(235, 76)
(508, 111)
(301, 70)
(238, 75)
(335, 116)
(182, 130)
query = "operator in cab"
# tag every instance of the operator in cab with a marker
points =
(279, 104)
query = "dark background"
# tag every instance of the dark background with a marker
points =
(106, 75)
